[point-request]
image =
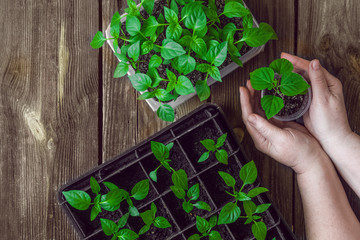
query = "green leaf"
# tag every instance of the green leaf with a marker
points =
(121, 70)
(236, 60)
(161, 222)
(202, 205)
(170, 146)
(217, 55)
(133, 25)
(262, 208)
(209, 144)
(215, 73)
(282, 66)
(179, 192)
(221, 140)
(196, 20)
(114, 198)
(184, 86)
(267, 28)
(148, 6)
(146, 95)
(255, 37)
(127, 234)
(272, 105)
(123, 220)
(222, 156)
(95, 187)
(248, 173)
(134, 51)
(147, 217)
(94, 213)
(187, 64)
(153, 175)
(204, 157)
(170, 15)
(159, 150)
(202, 225)
(147, 47)
(198, 45)
(228, 179)
(229, 214)
(174, 31)
(259, 230)
(150, 26)
(262, 78)
(79, 200)
(133, 211)
(174, 7)
(155, 61)
(141, 82)
(248, 21)
(194, 192)
(242, 197)
(108, 226)
(115, 25)
(172, 50)
(215, 235)
(229, 28)
(140, 190)
(213, 221)
(188, 207)
(256, 191)
(161, 20)
(166, 112)
(186, 41)
(202, 90)
(98, 40)
(144, 229)
(204, 67)
(194, 237)
(110, 185)
(179, 178)
(249, 207)
(235, 9)
(163, 95)
(292, 84)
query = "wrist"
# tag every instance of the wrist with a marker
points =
(342, 145)
(312, 163)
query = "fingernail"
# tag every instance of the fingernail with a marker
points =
(252, 119)
(315, 64)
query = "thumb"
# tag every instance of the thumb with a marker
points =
(265, 128)
(318, 80)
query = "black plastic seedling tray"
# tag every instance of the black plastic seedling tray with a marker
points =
(134, 165)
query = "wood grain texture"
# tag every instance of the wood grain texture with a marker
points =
(274, 176)
(329, 31)
(48, 111)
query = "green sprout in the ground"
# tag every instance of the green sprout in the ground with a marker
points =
(220, 154)
(149, 218)
(81, 200)
(231, 212)
(205, 228)
(117, 231)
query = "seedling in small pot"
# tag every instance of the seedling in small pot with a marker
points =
(231, 212)
(205, 228)
(161, 153)
(186, 35)
(81, 200)
(149, 218)
(220, 154)
(117, 231)
(286, 83)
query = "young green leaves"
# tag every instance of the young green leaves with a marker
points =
(110, 228)
(288, 83)
(149, 218)
(161, 153)
(231, 212)
(205, 229)
(220, 154)
(183, 192)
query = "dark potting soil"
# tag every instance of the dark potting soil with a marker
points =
(292, 104)
(175, 205)
(220, 228)
(195, 75)
(179, 161)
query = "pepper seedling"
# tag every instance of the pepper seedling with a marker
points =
(205, 228)
(110, 228)
(81, 200)
(149, 218)
(287, 83)
(220, 154)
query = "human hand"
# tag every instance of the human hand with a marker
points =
(287, 142)
(326, 118)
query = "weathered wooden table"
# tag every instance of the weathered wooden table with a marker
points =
(62, 113)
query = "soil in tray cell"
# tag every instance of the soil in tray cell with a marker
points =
(240, 230)
(175, 205)
(178, 161)
(224, 233)
(126, 179)
(217, 187)
(136, 223)
(178, 237)
(194, 149)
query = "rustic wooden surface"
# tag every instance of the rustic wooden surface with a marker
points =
(62, 113)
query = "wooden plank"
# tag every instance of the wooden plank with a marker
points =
(329, 31)
(277, 178)
(48, 111)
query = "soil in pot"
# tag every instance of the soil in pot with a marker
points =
(175, 205)
(136, 223)
(179, 161)
(194, 149)
(126, 179)
(220, 228)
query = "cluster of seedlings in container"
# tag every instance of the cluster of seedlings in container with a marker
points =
(176, 45)
(228, 214)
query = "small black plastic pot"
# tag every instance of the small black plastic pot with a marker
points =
(134, 165)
